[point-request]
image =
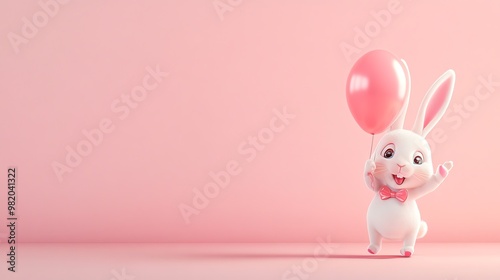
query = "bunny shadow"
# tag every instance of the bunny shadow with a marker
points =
(288, 255)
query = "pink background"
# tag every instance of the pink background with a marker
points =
(227, 74)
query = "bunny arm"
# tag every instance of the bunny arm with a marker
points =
(370, 181)
(433, 183)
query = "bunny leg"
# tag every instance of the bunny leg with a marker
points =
(409, 243)
(375, 240)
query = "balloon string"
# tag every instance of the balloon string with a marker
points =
(371, 147)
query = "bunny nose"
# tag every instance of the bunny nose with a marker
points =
(401, 166)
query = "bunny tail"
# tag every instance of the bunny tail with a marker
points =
(422, 230)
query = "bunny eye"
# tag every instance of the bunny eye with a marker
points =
(388, 151)
(418, 159)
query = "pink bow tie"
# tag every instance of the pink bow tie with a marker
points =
(386, 193)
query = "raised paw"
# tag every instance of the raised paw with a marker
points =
(369, 169)
(444, 169)
(370, 166)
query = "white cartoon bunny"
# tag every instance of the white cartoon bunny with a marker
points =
(400, 171)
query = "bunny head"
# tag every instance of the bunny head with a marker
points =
(403, 157)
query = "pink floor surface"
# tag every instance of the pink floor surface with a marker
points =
(251, 261)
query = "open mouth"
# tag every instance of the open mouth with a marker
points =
(398, 179)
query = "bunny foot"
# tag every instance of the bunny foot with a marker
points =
(407, 251)
(373, 249)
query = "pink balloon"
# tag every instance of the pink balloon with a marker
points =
(376, 90)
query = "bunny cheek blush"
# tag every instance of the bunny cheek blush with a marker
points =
(400, 171)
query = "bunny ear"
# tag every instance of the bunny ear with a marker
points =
(398, 123)
(435, 103)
